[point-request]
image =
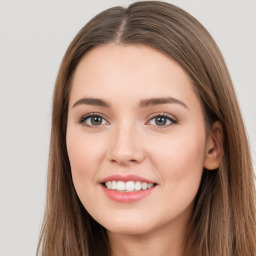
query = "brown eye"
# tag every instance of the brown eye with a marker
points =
(96, 120)
(161, 120)
(93, 120)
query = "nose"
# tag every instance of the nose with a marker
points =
(126, 147)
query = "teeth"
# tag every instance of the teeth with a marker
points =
(137, 185)
(114, 184)
(120, 185)
(108, 184)
(128, 186)
(150, 185)
(144, 186)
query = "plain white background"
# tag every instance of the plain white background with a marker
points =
(33, 38)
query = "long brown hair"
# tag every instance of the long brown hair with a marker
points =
(223, 220)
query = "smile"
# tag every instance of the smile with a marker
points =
(128, 186)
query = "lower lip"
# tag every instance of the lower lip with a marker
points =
(126, 197)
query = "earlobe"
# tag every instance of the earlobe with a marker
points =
(214, 147)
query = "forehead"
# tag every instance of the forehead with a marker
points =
(130, 71)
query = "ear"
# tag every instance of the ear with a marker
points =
(214, 147)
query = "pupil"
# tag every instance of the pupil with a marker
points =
(161, 120)
(96, 120)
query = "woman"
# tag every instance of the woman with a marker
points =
(148, 150)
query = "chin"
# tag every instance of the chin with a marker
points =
(129, 229)
(132, 226)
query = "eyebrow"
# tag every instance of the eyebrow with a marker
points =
(143, 103)
(91, 101)
(159, 101)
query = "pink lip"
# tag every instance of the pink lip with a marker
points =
(125, 178)
(126, 197)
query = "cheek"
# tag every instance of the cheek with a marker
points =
(183, 151)
(83, 151)
(84, 154)
(180, 162)
(180, 167)
(77, 153)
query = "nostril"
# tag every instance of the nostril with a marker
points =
(123, 160)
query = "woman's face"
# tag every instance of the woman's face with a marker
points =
(136, 126)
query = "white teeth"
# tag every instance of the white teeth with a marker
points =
(144, 185)
(109, 184)
(150, 185)
(120, 185)
(137, 185)
(128, 186)
(113, 184)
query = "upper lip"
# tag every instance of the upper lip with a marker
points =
(125, 178)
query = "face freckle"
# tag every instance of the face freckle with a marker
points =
(112, 81)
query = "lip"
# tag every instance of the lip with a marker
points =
(126, 197)
(125, 178)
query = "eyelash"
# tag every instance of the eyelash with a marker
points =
(86, 117)
(163, 115)
(153, 116)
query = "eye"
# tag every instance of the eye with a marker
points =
(93, 120)
(162, 120)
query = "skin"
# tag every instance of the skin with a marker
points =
(130, 141)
